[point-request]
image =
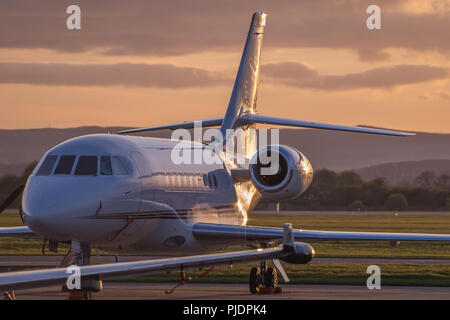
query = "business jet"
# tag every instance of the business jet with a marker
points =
(123, 193)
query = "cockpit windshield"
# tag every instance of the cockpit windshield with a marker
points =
(118, 167)
(105, 166)
(47, 166)
(85, 165)
(65, 165)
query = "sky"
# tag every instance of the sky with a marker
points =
(142, 63)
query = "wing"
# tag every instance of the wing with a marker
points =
(39, 278)
(207, 231)
(18, 232)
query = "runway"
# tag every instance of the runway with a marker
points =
(139, 291)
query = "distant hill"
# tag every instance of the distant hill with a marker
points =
(326, 149)
(344, 151)
(403, 173)
(18, 148)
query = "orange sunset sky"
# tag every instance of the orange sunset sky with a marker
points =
(143, 63)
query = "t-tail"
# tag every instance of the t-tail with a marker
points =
(241, 112)
(244, 96)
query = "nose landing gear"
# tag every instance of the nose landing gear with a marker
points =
(82, 256)
(263, 280)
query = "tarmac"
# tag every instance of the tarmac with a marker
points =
(202, 291)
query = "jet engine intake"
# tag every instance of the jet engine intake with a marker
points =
(280, 172)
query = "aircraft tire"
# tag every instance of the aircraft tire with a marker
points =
(271, 278)
(254, 281)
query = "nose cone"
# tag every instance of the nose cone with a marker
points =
(51, 205)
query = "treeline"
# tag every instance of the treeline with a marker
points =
(333, 191)
(348, 191)
(9, 183)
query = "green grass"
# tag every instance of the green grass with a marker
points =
(21, 246)
(431, 224)
(10, 220)
(323, 273)
(368, 249)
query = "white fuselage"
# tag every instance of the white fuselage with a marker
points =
(148, 205)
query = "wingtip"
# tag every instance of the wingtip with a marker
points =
(401, 133)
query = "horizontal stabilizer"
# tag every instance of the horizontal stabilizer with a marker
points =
(247, 119)
(183, 125)
(256, 118)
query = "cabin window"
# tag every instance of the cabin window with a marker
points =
(118, 168)
(214, 180)
(47, 166)
(223, 179)
(105, 166)
(65, 165)
(86, 166)
(210, 180)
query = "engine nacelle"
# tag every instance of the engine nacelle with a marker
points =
(303, 254)
(280, 172)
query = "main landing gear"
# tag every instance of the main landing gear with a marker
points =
(263, 280)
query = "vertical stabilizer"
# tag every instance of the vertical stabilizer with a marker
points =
(243, 97)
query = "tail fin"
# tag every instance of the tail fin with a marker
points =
(243, 97)
(241, 112)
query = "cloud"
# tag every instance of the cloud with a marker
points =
(293, 74)
(444, 95)
(299, 75)
(142, 27)
(372, 55)
(122, 74)
(424, 97)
